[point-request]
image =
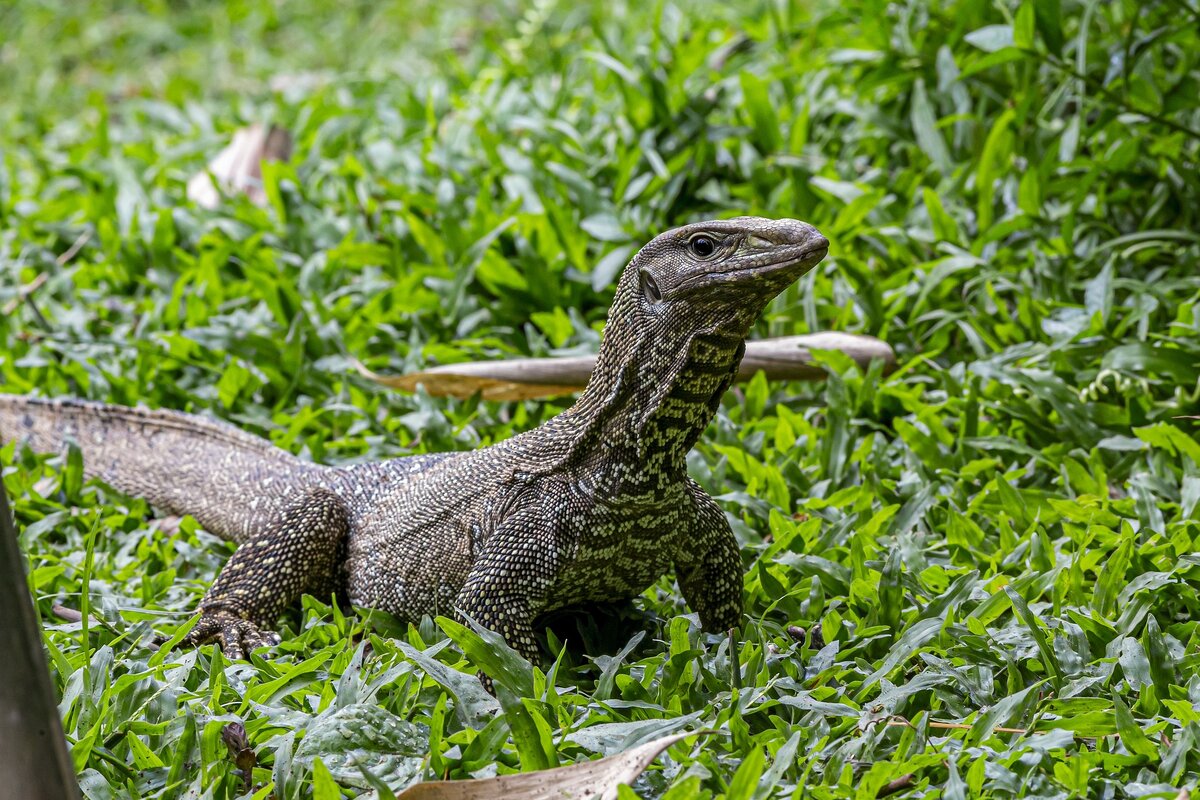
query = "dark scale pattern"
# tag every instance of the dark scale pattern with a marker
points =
(594, 505)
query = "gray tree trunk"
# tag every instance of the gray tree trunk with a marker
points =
(34, 764)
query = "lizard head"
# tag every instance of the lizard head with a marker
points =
(708, 277)
(682, 309)
(718, 275)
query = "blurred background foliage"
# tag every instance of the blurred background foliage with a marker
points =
(999, 536)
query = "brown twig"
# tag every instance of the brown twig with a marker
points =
(73, 615)
(24, 292)
(74, 249)
(898, 785)
(67, 614)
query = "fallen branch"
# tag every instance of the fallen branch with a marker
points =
(788, 358)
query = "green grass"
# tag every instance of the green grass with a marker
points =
(1000, 536)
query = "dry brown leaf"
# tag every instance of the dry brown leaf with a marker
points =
(785, 358)
(238, 168)
(590, 780)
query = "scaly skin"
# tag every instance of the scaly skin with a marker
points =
(594, 505)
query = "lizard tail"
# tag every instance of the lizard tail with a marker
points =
(232, 482)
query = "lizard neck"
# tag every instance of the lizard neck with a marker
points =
(646, 406)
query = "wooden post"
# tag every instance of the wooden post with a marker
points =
(34, 764)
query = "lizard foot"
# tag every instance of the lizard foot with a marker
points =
(237, 636)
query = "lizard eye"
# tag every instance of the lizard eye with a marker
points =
(650, 288)
(703, 246)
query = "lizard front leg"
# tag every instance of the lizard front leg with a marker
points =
(709, 567)
(301, 552)
(509, 582)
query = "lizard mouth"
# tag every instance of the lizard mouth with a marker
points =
(785, 261)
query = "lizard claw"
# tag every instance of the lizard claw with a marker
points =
(236, 636)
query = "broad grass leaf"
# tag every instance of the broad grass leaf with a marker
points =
(1141, 358)
(913, 638)
(81, 750)
(1011, 708)
(956, 787)
(485, 748)
(993, 163)
(991, 38)
(324, 786)
(924, 123)
(608, 267)
(745, 780)
(1170, 438)
(757, 99)
(72, 476)
(475, 706)
(292, 678)
(999, 58)
(1048, 14)
(1092, 724)
(1049, 659)
(143, 756)
(803, 701)
(687, 789)
(488, 650)
(945, 228)
(370, 779)
(605, 227)
(1133, 737)
(355, 737)
(94, 785)
(1112, 575)
(1023, 26)
(608, 738)
(610, 664)
(891, 593)
(531, 734)
(782, 761)
(1158, 654)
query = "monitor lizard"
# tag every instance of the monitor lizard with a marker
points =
(594, 505)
